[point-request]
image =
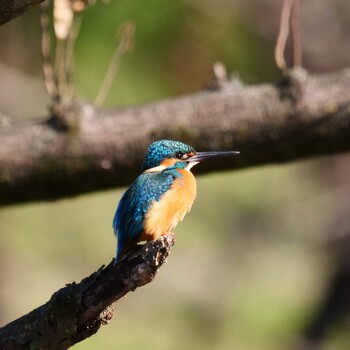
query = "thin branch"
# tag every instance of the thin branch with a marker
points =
(78, 310)
(296, 41)
(289, 18)
(283, 35)
(63, 17)
(50, 78)
(127, 31)
(69, 54)
(59, 67)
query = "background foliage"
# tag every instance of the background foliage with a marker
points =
(254, 257)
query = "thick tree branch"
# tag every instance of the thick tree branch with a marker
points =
(77, 311)
(10, 9)
(82, 149)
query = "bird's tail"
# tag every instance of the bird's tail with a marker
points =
(120, 252)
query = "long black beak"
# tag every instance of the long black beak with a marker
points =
(200, 156)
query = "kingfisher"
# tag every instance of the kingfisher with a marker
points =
(161, 196)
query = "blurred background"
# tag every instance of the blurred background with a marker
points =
(259, 260)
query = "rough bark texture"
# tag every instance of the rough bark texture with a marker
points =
(10, 9)
(77, 311)
(81, 149)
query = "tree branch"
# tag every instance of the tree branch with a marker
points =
(81, 149)
(9, 9)
(77, 311)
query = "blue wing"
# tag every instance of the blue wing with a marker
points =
(133, 206)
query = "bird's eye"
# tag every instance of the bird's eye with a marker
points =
(179, 155)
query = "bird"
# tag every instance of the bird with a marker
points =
(160, 196)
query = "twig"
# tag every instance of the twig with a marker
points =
(69, 54)
(59, 66)
(296, 41)
(126, 44)
(63, 16)
(289, 17)
(50, 78)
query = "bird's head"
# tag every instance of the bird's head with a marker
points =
(165, 153)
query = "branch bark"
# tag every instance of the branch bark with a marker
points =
(9, 9)
(81, 149)
(77, 311)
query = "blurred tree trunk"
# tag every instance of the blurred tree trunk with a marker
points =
(334, 308)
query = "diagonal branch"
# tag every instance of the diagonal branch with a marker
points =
(10, 9)
(82, 149)
(77, 311)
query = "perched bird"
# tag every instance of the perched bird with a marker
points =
(161, 196)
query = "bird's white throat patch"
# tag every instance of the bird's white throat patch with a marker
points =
(190, 165)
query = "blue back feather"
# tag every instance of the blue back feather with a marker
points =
(129, 217)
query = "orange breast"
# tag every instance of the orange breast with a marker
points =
(165, 214)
